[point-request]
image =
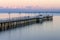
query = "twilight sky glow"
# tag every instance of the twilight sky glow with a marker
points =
(45, 4)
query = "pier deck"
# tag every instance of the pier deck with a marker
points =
(20, 21)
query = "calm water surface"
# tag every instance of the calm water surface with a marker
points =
(49, 30)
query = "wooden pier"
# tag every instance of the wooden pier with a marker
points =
(22, 21)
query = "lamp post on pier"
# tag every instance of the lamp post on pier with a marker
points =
(9, 20)
(9, 16)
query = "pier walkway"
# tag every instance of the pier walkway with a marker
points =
(21, 21)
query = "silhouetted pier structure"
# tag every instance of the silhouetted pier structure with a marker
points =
(21, 21)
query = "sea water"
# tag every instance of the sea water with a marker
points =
(48, 30)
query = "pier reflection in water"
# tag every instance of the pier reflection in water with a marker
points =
(31, 32)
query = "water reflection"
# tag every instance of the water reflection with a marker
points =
(48, 30)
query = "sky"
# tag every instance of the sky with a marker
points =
(30, 4)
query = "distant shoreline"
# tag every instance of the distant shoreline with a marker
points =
(29, 12)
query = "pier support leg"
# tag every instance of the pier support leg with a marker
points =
(37, 20)
(0, 26)
(3, 26)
